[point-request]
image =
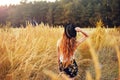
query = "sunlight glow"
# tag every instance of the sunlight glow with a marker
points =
(8, 2)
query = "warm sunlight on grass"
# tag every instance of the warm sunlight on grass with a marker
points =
(30, 53)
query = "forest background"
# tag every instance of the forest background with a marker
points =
(82, 13)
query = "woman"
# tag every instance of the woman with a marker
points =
(66, 50)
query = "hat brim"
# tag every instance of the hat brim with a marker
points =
(70, 31)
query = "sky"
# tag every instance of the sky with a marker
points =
(8, 2)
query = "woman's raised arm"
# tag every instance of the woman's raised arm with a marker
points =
(85, 35)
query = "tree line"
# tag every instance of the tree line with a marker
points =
(79, 12)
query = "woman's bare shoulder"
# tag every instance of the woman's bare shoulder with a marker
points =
(58, 42)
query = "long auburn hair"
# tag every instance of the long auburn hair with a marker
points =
(67, 48)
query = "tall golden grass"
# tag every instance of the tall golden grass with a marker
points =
(30, 53)
(118, 55)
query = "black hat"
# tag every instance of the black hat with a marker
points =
(70, 30)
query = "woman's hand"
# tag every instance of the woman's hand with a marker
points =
(78, 29)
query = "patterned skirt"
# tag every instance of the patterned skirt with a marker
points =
(71, 70)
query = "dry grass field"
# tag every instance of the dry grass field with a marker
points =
(30, 53)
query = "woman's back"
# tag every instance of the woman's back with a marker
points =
(66, 50)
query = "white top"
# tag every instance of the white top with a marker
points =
(61, 58)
